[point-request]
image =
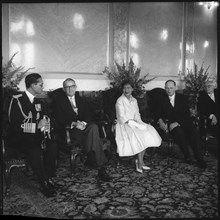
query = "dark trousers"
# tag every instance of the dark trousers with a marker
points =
(90, 140)
(42, 162)
(187, 136)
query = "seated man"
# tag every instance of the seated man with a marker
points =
(27, 127)
(174, 108)
(208, 106)
(71, 110)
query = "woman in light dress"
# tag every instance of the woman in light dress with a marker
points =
(133, 136)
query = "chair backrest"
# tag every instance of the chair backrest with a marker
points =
(147, 105)
(154, 99)
(109, 99)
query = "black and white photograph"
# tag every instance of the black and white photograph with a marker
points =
(110, 110)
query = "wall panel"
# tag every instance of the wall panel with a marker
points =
(155, 37)
(60, 37)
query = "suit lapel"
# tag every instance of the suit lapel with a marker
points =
(216, 96)
(210, 99)
(176, 103)
(169, 108)
(78, 103)
(68, 105)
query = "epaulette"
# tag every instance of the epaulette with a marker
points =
(17, 96)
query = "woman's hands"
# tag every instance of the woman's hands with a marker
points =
(79, 125)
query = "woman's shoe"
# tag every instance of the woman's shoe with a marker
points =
(137, 169)
(145, 167)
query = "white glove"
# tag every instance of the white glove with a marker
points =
(134, 124)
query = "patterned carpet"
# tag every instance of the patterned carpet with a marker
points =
(174, 190)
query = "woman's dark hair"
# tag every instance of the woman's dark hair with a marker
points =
(31, 79)
(127, 82)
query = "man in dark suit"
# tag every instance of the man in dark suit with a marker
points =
(208, 107)
(71, 110)
(174, 107)
(28, 126)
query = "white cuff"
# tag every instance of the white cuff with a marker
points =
(211, 116)
(84, 123)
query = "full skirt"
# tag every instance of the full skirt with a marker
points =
(132, 140)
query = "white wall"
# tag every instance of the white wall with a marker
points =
(85, 85)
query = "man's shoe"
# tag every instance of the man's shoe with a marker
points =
(91, 161)
(53, 184)
(91, 164)
(48, 190)
(103, 175)
(188, 161)
(108, 155)
(201, 164)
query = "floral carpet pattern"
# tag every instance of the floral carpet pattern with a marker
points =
(167, 190)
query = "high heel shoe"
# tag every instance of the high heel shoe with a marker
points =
(145, 167)
(137, 169)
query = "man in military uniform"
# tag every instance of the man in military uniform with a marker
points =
(28, 126)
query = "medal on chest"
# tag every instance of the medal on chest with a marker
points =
(38, 107)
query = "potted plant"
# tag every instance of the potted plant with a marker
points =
(132, 73)
(11, 77)
(195, 81)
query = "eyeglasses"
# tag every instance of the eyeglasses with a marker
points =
(41, 85)
(69, 87)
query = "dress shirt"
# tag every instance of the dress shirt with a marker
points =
(30, 96)
(172, 99)
(73, 104)
(73, 101)
(212, 96)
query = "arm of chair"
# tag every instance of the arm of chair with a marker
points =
(3, 146)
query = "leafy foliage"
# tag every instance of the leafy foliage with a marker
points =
(196, 81)
(12, 75)
(131, 73)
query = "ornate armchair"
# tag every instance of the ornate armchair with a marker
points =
(109, 99)
(208, 135)
(11, 159)
(65, 145)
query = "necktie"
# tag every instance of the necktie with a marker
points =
(73, 106)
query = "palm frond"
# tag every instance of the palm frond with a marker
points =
(132, 73)
(12, 75)
(195, 81)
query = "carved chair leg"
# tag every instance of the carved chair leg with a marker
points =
(154, 149)
(206, 146)
(117, 163)
(7, 175)
(73, 156)
(170, 146)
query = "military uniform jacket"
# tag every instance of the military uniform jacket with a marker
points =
(16, 117)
